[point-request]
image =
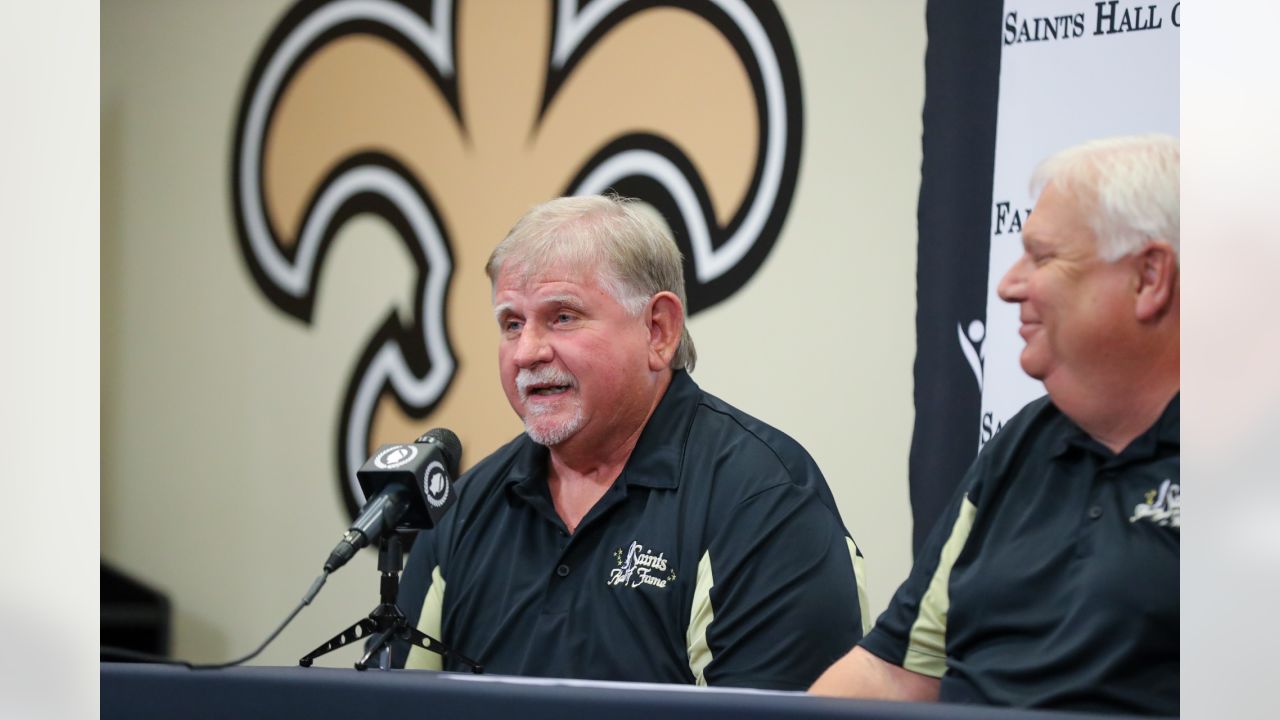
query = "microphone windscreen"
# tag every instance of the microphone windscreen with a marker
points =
(447, 441)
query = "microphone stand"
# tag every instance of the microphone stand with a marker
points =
(387, 622)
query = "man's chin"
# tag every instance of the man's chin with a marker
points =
(1032, 365)
(549, 434)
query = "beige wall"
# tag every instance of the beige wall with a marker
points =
(218, 410)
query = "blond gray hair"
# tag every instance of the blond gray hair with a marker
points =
(633, 252)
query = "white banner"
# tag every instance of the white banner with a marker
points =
(1070, 71)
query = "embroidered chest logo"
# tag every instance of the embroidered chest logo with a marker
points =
(1162, 506)
(639, 566)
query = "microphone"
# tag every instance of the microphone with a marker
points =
(409, 486)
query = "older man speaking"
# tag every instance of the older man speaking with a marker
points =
(1052, 579)
(640, 528)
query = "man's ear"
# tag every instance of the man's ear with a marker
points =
(1157, 280)
(664, 318)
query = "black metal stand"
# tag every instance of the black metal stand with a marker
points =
(387, 622)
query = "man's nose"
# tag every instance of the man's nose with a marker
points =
(1012, 287)
(532, 347)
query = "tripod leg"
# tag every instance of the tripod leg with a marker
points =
(426, 642)
(360, 630)
(376, 645)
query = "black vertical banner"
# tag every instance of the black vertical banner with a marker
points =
(962, 81)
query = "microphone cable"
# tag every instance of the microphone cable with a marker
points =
(109, 652)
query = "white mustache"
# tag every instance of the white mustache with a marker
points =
(544, 375)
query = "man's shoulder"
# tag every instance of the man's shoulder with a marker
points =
(739, 459)
(1037, 419)
(740, 427)
(747, 442)
(1033, 432)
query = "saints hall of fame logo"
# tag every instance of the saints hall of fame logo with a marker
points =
(448, 119)
(1161, 505)
(638, 565)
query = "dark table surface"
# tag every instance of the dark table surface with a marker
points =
(154, 691)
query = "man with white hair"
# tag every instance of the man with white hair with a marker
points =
(640, 529)
(1052, 579)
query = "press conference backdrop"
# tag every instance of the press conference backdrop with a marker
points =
(297, 203)
(234, 361)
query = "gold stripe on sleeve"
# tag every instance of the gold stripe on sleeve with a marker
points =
(860, 578)
(700, 616)
(927, 643)
(429, 623)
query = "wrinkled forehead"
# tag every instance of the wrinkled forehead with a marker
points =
(522, 276)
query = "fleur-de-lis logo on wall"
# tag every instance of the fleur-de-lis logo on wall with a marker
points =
(450, 119)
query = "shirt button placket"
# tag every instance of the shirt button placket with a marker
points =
(1106, 476)
(562, 571)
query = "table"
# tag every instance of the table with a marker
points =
(165, 691)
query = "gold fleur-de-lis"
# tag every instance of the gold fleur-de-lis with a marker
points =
(451, 125)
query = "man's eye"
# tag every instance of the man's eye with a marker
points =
(563, 318)
(511, 326)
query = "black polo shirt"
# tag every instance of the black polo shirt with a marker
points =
(717, 557)
(1052, 579)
